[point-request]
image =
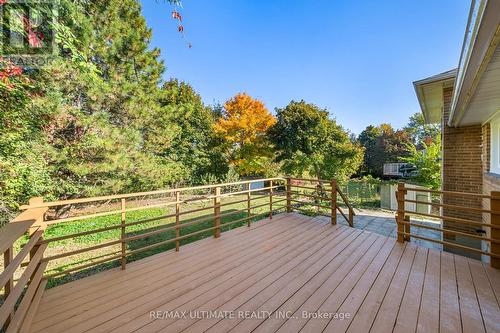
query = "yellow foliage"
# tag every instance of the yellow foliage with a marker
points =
(246, 120)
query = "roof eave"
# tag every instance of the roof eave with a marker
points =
(482, 36)
(440, 80)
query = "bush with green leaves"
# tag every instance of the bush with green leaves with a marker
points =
(428, 164)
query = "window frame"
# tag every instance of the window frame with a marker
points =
(495, 145)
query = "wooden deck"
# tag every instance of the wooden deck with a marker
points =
(294, 273)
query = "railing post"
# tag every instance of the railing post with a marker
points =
(123, 259)
(8, 255)
(249, 212)
(270, 199)
(39, 224)
(400, 217)
(333, 204)
(495, 233)
(217, 212)
(407, 229)
(177, 219)
(289, 195)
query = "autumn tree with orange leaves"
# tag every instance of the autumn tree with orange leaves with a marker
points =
(244, 124)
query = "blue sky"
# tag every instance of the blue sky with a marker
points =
(356, 58)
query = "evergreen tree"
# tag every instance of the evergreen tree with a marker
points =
(107, 122)
(91, 122)
(194, 145)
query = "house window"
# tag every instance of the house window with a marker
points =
(495, 145)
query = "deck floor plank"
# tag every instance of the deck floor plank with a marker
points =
(387, 314)
(371, 304)
(342, 250)
(321, 294)
(359, 292)
(81, 304)
(292, 304)
(486, 297)
(410, 305)
(207, 257)
(340, 294)
(275, 272)
(494, 278)
(428, 316)
(449, 306)
(70, 291)
(472, 321)
(277, 299)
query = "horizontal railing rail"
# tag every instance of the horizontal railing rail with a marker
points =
(464, 204)
(141, 194)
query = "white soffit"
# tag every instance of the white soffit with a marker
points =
(477, 79)
(486, 99)
(430, 94)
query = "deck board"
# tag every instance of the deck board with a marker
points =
(449, 310)
(273, 273)
(336, 298)
(357, 295)
(389, 309)
(472, 321)
(366, 314)
(486, 297)
(428, 317)
(410, 305)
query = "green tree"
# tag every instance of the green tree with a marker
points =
(382, 145)
(374, 155)
(428, 164)
(195, 145)
(23, 170)
(108, 127)
(309, 143)
(420, 132)
(91, 122)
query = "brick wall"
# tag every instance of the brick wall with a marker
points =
(462, 172)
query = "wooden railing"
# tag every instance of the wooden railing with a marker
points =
(22, 293)
(320, 194)
(35, 256)
(491, 235)
(213, 201)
